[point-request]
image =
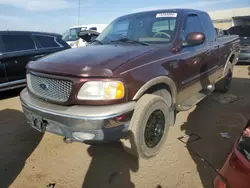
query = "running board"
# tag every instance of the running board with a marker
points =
(195, 99)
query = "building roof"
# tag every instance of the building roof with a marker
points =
(230, 13)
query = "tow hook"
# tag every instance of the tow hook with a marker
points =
(43, 125)
(40, 124)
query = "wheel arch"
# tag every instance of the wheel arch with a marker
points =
(231, 61)
(158, 82)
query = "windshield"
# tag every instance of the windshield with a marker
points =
(242, 31)
(72, 34)
(144, 27)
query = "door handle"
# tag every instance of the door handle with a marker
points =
(36, 57)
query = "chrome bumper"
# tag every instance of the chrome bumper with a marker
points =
(99, 121)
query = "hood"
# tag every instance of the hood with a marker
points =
(91, 61)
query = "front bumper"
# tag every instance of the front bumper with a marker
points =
(103, 123)
(244, 57)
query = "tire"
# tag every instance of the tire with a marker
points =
(167, 96)
(146, 108)
(225, 83)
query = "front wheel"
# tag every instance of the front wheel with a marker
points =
(148, 127)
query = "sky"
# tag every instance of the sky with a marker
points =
(59, 15)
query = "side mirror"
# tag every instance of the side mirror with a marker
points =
(194, 39)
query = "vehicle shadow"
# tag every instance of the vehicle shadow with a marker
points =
(17, 141)
(204, 124)
(110, 167)
(10, 93)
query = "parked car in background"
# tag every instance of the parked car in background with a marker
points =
(235, 173)
(17, 48)
(71, 36)
(85, 38)
(128, 84)
(244, 33)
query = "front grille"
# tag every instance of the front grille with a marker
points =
(48, 88)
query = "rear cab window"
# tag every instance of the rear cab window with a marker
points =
(46, 41)
(17, 42)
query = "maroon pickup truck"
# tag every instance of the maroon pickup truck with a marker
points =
(129, 83)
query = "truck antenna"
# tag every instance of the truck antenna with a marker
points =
(79, 11)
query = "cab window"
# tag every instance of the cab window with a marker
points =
(193, 24)
(164, 25)
(46, 41)
(208, 24)
(13, 43)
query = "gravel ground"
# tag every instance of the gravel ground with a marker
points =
(30, 159)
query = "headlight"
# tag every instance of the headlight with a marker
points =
(100, 90)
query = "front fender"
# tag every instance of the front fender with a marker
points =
(158, 80)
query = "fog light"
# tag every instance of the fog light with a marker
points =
(83, 136)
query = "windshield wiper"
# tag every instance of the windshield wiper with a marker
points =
(130, 40)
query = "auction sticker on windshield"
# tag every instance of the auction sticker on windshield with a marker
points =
(164, 15)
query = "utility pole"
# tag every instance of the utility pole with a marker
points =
(79, 11)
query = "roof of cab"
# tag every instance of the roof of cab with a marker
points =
(28, 32)
(177, 10)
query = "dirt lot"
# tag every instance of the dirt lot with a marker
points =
(30, 159)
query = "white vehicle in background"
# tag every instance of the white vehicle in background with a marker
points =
(71, 36)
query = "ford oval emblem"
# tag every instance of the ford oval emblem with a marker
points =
(44, 86)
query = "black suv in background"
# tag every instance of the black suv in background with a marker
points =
(244, 33)
(17, 48)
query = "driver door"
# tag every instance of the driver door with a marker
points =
(194, 64)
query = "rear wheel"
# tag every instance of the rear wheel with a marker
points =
(149, 126)
(224, 84)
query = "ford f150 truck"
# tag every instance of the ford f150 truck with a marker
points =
(129, 83)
